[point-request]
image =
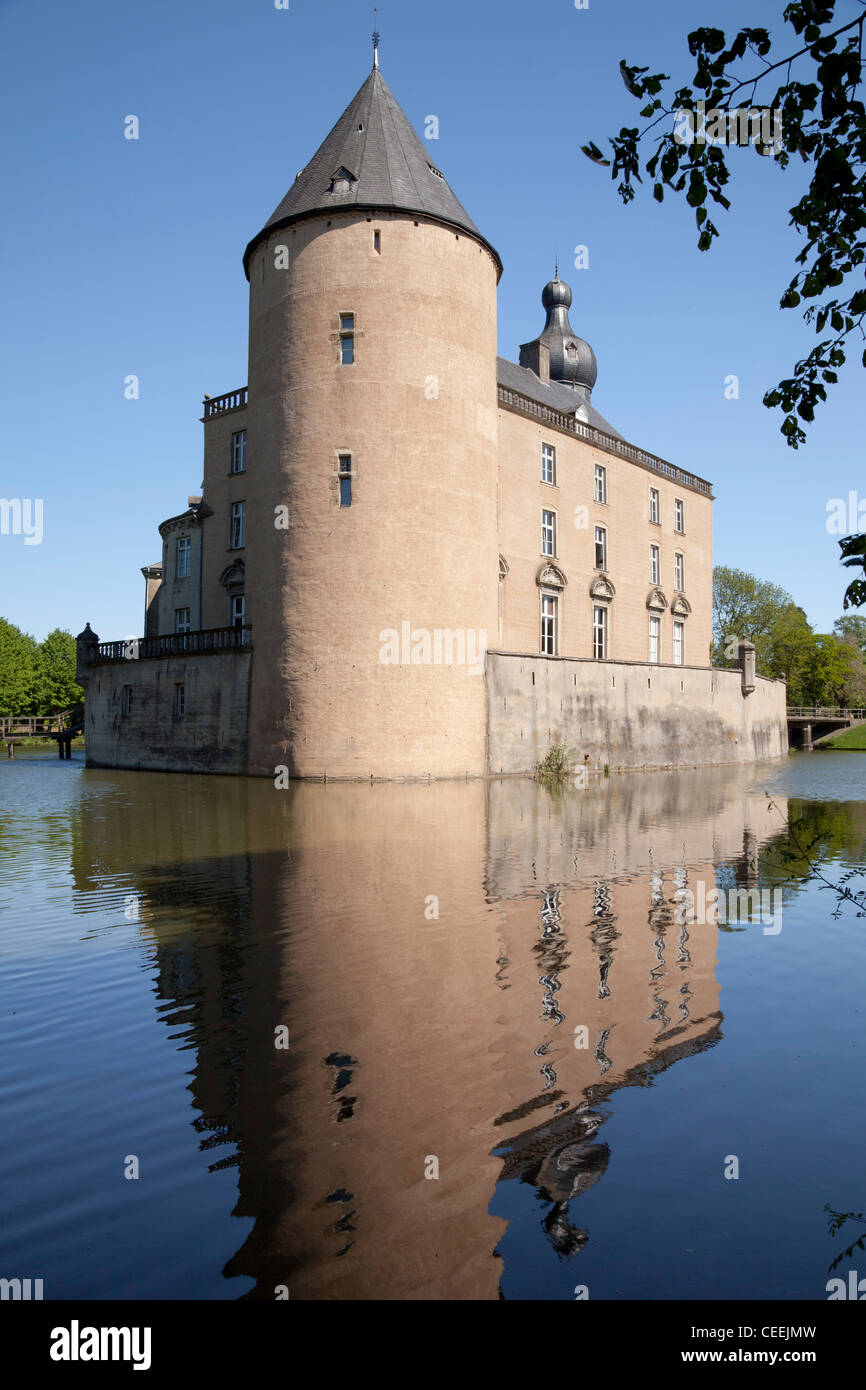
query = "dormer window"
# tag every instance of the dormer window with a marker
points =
(571, 351)
(341, 181)
(434, 170)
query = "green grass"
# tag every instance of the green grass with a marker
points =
(852, 739)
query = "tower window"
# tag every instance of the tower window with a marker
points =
(345, 480)
(548, 464)
(239, 452)
(549, 615)
(548, 533)
(377, 241)
(654, 505)
(600, 548)
(181, 620)
(600, 483)
(654, 628)
(599, 632)
(237, 526)
(679, 572)
(179, 701)
(347, 339)
(679, 515)
(182, 557)
(655, 565)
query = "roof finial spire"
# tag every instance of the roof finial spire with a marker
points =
(376, 37)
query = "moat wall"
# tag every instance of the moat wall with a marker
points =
(211, 736)
(628, 714)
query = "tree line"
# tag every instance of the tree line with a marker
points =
(821, 668)
(36, 677)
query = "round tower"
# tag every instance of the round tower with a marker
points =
(371, 555)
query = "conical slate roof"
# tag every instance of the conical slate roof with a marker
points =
(371, 159)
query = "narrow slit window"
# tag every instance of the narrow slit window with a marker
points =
(347, 339)
(345, 476)
(377, 242)
(179, 701)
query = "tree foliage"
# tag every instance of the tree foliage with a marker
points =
(36, 678)
(822, 122)
(820, 668)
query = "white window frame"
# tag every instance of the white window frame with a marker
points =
(654, 506)
(679, 516)
(655, 564)
(183, 557)
(600, 539)
(234, 601)
(655, 637)
(600, 635)
(347, 338)
(548, 464)
(237, 526)
(679, 571)
(679, 643)
(239, 452)
(601, 484)
(549, 640)
(182, 624)
(548, 533)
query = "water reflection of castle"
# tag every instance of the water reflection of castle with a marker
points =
(415, 1036)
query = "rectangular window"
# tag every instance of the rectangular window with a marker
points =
(237, 528)
(679, 516)
(239, 452)
(679, 572)
(347, 339)
(345, 480)
(679, 643)
(126, 702)
(181, 620)
(655, 565)
(600, 483)
(179, 701)
(183, 551)
(654, 504)
(548, 463)
(237, 608)
(600, 548)
(599, 632)
(654, 627)
(548, 533)
(377, 242)
(549, 604)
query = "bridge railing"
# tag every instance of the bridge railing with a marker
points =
(824, 712)
(32, 724)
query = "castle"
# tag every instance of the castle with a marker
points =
(411, 558)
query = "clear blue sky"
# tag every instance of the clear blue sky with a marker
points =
(124, 257)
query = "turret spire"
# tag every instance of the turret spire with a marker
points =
(376, 37)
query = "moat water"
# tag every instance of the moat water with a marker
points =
(448, 1041)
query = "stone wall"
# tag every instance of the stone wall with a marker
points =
(628, 714)
(210, 737)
